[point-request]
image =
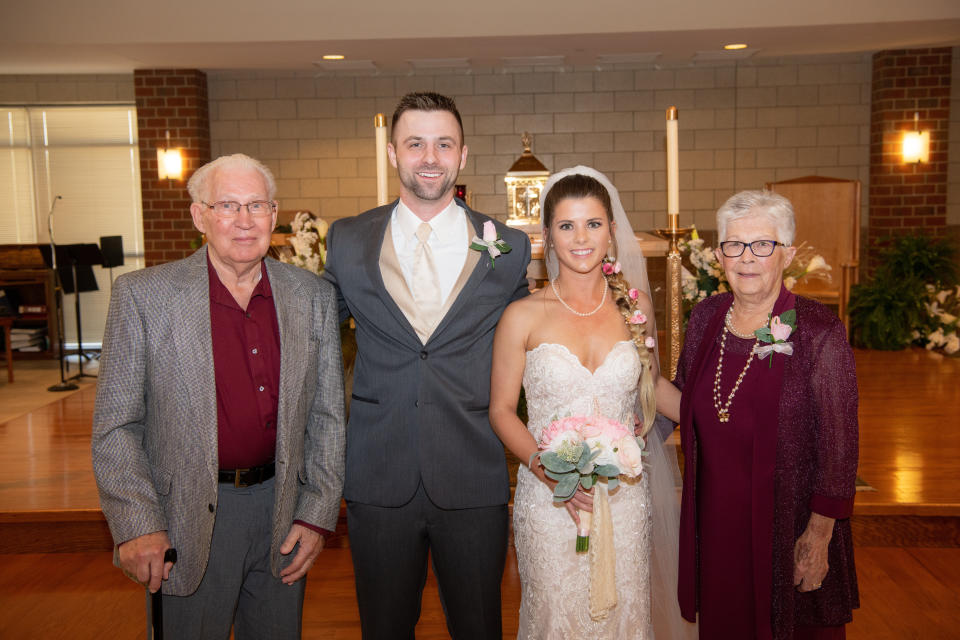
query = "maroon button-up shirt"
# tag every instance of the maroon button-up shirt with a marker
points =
(246, 364)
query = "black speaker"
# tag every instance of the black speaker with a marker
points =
(112, 249)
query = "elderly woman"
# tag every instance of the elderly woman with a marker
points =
(769, 429)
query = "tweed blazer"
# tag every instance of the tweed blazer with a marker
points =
(419, 411)
(155, 420)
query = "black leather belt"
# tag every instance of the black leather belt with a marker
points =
(247, 477)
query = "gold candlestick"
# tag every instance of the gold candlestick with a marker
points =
(674, 233)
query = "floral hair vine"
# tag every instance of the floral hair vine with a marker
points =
(490, 242)
(611, 267)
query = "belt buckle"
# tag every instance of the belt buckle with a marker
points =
(236, 478)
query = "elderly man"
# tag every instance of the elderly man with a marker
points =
(425, 472)
(219, 427)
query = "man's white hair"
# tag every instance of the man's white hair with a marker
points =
(198, 186)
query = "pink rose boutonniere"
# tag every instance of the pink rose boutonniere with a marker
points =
(775, 336)
(490, 242)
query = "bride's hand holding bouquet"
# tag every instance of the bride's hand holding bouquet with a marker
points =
(580, 451)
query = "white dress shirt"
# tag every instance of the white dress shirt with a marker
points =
(449, 241)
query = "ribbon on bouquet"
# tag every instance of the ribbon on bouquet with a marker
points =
(785, 348)
(603, 561)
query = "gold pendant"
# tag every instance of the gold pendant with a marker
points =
(724, 416)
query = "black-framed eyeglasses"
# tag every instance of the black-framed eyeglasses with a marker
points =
(230, 209)
(759, 248)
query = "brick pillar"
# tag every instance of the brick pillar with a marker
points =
(173, 100)
(908, 199)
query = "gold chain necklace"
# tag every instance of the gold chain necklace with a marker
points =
(723, 410)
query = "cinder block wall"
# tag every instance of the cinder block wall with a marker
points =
(740, 126)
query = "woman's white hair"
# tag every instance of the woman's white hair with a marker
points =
(758, 204)
(198, 185)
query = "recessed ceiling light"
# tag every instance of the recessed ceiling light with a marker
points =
(731, 47)
(333, 56)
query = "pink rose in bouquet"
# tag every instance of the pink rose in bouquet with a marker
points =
(580, 450)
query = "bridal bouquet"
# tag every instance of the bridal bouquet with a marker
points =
(579, 450)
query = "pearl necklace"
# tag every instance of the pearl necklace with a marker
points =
(728, 323)
(603, 298)
(723, 409)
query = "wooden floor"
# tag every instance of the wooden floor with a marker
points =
(909, 578)
(906, 593)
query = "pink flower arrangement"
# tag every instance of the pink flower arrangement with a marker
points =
(649, 342)
(638, 317)
(579, 450)
(633, 294)
(610, 443)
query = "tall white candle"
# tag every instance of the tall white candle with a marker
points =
(673, 164)
(380, 124)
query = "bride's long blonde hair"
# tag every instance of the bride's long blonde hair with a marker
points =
(583, 186)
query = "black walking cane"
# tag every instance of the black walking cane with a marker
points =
(155, 603)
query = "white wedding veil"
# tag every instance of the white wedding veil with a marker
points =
(632, 263)
(661, 461)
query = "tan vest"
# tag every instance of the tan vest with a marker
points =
(397, 287)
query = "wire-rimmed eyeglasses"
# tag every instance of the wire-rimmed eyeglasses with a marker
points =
(230, 209)
(759, 248)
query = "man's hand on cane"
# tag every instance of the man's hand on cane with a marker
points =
(141, 559)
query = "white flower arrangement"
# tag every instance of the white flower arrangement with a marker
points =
(308, 242)
(940, 330)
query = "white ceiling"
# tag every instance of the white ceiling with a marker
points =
(110, 36)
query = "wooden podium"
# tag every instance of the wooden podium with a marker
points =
(827, 211)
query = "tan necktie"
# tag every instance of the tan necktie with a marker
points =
(426, 282)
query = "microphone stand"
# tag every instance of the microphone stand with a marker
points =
(63, 385)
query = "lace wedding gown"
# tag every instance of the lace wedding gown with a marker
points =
(555, 579)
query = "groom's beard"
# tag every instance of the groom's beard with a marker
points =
(427, 192)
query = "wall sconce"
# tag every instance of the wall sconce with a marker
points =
(169, 162)
(916, 143)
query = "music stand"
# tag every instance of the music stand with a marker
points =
(49, 258)
(75, 264)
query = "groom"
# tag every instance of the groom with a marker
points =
(425, 473)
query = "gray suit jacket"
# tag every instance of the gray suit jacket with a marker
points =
(155, 420)
(419, 411)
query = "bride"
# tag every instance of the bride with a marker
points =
(585, 345)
